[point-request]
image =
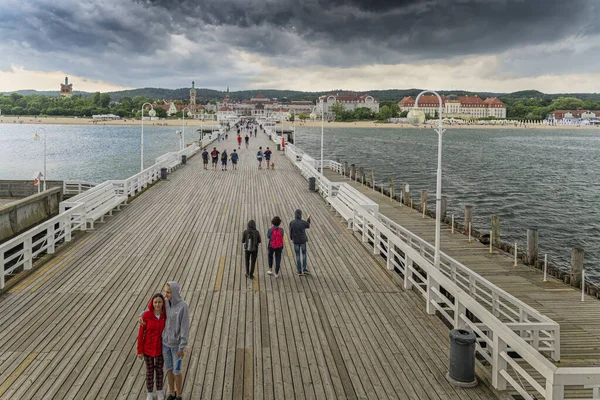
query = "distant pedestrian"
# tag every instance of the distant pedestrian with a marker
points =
(224, 160)
(299, 237)
(234, 159)
(275, 236)
(247, 140)
(251, 240)
(218, 137)
(239, 140)
(215, 157)
(259, 157)
(268, 156)
(226, 136)
(205, 158)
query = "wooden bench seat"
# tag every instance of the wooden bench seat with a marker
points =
(101, 202)
(346, 199)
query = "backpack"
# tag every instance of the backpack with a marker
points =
(224, 156)
(252, 240)
(214, 153)
(276, 238)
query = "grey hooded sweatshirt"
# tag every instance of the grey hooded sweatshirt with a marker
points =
(177, 328)
(298, 229)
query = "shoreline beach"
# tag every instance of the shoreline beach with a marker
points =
(307, 124)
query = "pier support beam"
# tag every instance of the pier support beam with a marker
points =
(372, 178)
(576, 266)
(532, 246)
(346, 170)
(353, 172)
(405, 194)
(495, 231)
(468, 217)
(444, 207)
(361, 175)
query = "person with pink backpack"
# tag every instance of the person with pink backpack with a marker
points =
(275, 237)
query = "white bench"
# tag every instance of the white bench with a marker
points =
(345, 200)
(100, 202)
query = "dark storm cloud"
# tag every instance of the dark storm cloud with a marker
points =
(131, 38)
(412, 29)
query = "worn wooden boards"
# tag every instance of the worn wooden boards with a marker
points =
(69, 330)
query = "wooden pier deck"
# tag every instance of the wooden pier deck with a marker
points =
(347, 331)
(579, 321)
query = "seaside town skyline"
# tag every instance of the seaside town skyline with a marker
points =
(494, 46)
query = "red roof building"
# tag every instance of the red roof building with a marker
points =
(457, 106)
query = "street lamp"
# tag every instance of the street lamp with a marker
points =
(180, 134)
(151, 113)
(37, 137)
(183, 130)
(322, 127)
(417, 117)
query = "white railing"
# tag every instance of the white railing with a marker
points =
(19, 252)
(76, 187)
(545, 336)
(496, 339)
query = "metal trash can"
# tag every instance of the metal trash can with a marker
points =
(279, 146)
(163, 173)
(312, 183)
(184, 159)
(462, 359)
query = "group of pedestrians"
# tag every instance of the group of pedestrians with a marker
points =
(163, 339)
(251, 240)
(234, 158)
(267, 156)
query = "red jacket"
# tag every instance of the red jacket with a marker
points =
(149, 336)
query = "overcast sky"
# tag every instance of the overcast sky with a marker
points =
(479, 45)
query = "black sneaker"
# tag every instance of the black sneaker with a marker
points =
(306, 272)
(178, 398)
(299, 273)
(171, 397)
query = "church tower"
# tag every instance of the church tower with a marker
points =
(66, 89)
(193, 95)
(227, 96)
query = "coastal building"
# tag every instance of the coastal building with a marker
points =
(457, 106)
(579, 114)
(66, 89)
(192, 105)
(261, 106)
(350, 101)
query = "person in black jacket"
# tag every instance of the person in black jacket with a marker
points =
(251, 240)
(299, 238)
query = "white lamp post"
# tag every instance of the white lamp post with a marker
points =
(322, 128)
(36, 137)
(183, 127)
(151, 113)
(417, 117)
(179, 133)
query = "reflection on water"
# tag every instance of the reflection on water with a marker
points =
(545, 179)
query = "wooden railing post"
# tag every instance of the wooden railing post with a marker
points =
(27, 253)
(390, 254)
(498, 362)
(496, 231)
(532, 246)
(408, 263)
(50, 232)
(468, 216)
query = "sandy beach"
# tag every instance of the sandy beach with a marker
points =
(310, 124)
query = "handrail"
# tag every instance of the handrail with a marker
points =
(21, 250)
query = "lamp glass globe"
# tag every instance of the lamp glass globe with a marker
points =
(416, 117)
(152, 113)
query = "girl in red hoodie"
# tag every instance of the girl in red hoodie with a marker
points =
(150, 344)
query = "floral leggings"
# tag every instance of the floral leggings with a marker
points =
(154, 364)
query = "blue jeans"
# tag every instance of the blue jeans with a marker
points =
(297, 249)
(171, 360)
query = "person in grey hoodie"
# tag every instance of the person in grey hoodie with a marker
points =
(299, 238)
(174, 337)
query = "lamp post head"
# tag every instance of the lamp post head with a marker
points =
(36, 137)
(152, 113)
(416, 117)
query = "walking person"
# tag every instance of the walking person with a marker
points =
(218, 137)
(275, 236)
(224, 160)
(234, 159)
(268, 156)
(247, 140)
(205, 158)
(251, 239)
(149, 345)
(299, 237)
(215, 157)
(259, 157)
(239, 140)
